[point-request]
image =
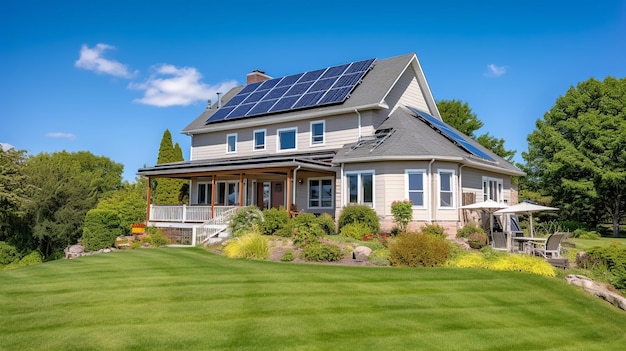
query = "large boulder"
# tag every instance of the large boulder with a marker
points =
(361, 253)
(74, 251)
(597, 289)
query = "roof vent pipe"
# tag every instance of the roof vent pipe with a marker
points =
(219, 100)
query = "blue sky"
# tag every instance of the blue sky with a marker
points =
(110, 77)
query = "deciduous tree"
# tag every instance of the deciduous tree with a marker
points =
(577, 153)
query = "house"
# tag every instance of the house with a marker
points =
(367, 132)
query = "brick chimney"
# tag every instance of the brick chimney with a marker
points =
(256, 76)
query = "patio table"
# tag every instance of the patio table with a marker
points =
(528, 243)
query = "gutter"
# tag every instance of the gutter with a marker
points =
(430, 185)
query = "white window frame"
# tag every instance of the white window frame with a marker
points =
(452, 190)
(313, 142)
(359, 175)
(407, 191)
(279, 146)
(228, 136)
(308, 191)
(254, 144)
(208, 198)
(499, 184)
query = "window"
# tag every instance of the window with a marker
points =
(287, 139)
(204, 193)
(446, 189)
(360, 188)
(321, 193)
(414, 181)
(227, 193)
(317, 132)
(492, 189)
(259, 139)
(231, 143)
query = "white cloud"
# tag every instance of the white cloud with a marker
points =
(6, 146)
(495, 71)
(172, 86)
(61, 135)
(92, 59)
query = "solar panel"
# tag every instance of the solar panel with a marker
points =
(451, 133)
(331, 85)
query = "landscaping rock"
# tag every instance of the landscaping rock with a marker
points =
(361, 253)
(597, 289)
(74, 251)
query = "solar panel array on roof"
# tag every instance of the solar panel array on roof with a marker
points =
(450, 133)
(321, 87)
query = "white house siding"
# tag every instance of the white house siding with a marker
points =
(473, 183)
(407, 92)
(339, 130)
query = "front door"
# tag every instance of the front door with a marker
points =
(278, 194)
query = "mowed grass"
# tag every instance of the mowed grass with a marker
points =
(190, 299)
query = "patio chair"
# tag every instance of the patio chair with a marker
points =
(499, 241)
(552, 247)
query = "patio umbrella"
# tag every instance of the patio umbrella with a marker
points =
(526, 208)
(488, 206)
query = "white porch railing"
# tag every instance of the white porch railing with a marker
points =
(211, 228)
(184, 213)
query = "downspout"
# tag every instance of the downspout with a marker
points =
(460, 202)
(295, 173)
(343, 191)
(430, 186)
(358, 114)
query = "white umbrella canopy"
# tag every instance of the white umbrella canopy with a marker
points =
(526, 208)
(488, 206)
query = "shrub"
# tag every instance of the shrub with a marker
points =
(155, 237)
(245, 219)
(322, 252)
(327, 223)
(248, 245)
(477, 240)
(418, 250)
(382, 238)
(379, 257)
(33, 258)
(402, 212)
(584, 234)
(302, 237)
(310, 222)
(500, 261)
(100, 229)
(468, 229)
(359, 214)
(8, 253)
(613, 257)
(274, 220)
(288, 256)
(356, 230)
(434, 229)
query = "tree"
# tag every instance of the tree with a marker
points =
(169, 191)
(459, 115)
(578, 152)
(128, 202)
(64, 186)
(13, 197)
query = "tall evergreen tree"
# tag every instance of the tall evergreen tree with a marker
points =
(170, 191)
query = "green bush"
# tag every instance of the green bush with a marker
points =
(613, 257)
(468, 229)
(379, 257)
(248, 245)
(100, 229)
(434, 229)
(288, 256)
(488, 258)
(322, 252)
(477, 240)
(359, 214)
(310, 222)
(8, 253)
(356, 230)
(327, 223)
(245, 219)
(33, 258)
(274, 222)
(402, 212)
(585, 234)
(155, 237)
(418, 250)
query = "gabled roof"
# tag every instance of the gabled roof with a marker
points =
(403, 136)
(369, 94)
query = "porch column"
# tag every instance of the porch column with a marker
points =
(288, 195)
(213, 184)
(241, 189)
(148, 201)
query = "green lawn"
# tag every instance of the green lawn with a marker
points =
(585, 244)
(185, 299)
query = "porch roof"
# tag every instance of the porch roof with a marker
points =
(187, 169)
